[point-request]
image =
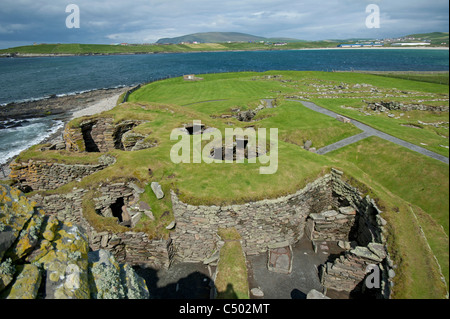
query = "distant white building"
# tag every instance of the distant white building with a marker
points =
(191, 77)
(410, 44)
(359, 45)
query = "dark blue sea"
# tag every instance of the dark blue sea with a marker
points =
(23, 79)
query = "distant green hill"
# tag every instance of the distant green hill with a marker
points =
(436, 38)
(210, 41)
(220, 37)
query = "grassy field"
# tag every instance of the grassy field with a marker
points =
(421, 185)
(411, 189)
(431, 77)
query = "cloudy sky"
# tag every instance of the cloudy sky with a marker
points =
(23, 22)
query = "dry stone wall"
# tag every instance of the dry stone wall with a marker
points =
(259, 223)
(347, 273)
(349, 270)
(327, 209)
(94, 135)
(44, 175)
(331, 225)
(134, 248)
(102, 135)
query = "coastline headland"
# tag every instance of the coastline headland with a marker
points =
(203, 50)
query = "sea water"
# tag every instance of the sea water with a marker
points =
(24, 79)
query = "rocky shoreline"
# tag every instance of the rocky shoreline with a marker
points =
(65, 107)
(56, 105)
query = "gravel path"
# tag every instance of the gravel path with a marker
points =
(367, 131)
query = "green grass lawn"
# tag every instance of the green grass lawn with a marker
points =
(419, 181)
(439, 78)
(427, 137)
(231, 281)
(402, 181)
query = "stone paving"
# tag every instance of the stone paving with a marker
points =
(180, 281)
(304, 275)
(280, 260)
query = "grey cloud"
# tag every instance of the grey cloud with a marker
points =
(105, 21)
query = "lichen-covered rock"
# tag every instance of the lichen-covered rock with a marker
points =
(16, 211)
(65, 261)
(27, 283)
(106, 276)
(135, 285)
(36, 249)
(7, 271)
(114, 281)
(28, 237)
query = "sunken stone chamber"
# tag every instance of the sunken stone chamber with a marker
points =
(260, 224)
(238, 150)
(102, 135)
(134, 248)
(326, 210)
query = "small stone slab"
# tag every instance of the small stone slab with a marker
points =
(344, 244)
(256, 292)
(377, 249)
(144, 206)
(280, 260)
(282, 244)
(157, 190)
(314, 294)
(171, 225)
(308, 145)
(149, 214)
(365, 253)
(347, 210)
(329, 213)
(135, 219)
(317, 216)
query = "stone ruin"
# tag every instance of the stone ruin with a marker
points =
(36, 175)
(195, 129)
(385, 106)
(121, 201)
(249, 115)
(102, 135)
(328, 210)
(238, 150)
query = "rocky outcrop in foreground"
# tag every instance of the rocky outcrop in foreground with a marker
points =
(43, 258)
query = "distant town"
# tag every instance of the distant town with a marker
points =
(401, 41)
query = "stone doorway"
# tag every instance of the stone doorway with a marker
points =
(89, 143)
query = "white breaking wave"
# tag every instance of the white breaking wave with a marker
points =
(16, 140)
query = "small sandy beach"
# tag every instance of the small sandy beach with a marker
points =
(99, 106)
